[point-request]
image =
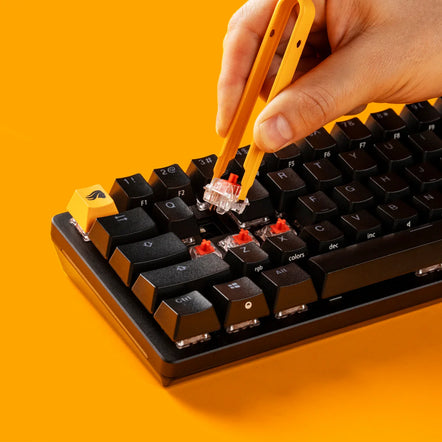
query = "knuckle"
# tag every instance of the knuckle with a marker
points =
(317, 106)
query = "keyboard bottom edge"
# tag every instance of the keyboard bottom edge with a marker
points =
(170, 370)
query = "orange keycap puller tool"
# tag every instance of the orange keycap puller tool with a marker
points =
(218, 192)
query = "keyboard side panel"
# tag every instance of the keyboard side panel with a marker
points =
(116, 302)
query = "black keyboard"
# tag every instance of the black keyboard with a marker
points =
(341, 228)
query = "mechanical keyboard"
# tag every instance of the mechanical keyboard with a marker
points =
(340, 228)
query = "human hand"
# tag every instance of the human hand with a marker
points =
(358, 52)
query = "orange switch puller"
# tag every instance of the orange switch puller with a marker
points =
(256, 80)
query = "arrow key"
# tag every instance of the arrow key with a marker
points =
(111, 231)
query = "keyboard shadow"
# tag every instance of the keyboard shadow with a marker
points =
(288, 378)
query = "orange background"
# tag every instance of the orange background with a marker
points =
(93, 90)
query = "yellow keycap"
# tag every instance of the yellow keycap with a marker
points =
(90, 203)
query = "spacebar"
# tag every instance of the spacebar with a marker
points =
(377, 260)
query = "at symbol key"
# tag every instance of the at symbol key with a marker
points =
(170, 182)
(111, 231)
(239, 303)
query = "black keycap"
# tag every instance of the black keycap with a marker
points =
(388, 187)
(131, 259)
(352, 134)
(314, 207)
(132, 191)
(236, 165)
(287, 287)
(238, 302)
(260, 205)
(360, 226)
(438, 105)
(425, 145)
(393, 155)
(170, 182)
(421, 116)
(322, 237)
(319, 144)
(321, 174)
(247, 260)
(285, 248)
(200, 172)
(109, 232)
(290, 156)
(383, 258)
(386, 125)
(352, 197)
(175, 216)
(429, 205)
(397, 215)
(153, 286)
(357, 164)
(187, 316)
(423, 177)
(285, 186)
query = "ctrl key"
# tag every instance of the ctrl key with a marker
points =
(187, 319)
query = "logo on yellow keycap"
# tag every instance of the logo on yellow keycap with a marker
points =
(90, 203)
(95, 194)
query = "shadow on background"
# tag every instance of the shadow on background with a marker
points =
(361, 354)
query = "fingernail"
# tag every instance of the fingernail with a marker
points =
(275, 132)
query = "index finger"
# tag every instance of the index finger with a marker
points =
(241, 44)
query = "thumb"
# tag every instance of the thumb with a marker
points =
(342, 82)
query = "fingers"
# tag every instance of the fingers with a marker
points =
(241, 44)
(342, 82)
